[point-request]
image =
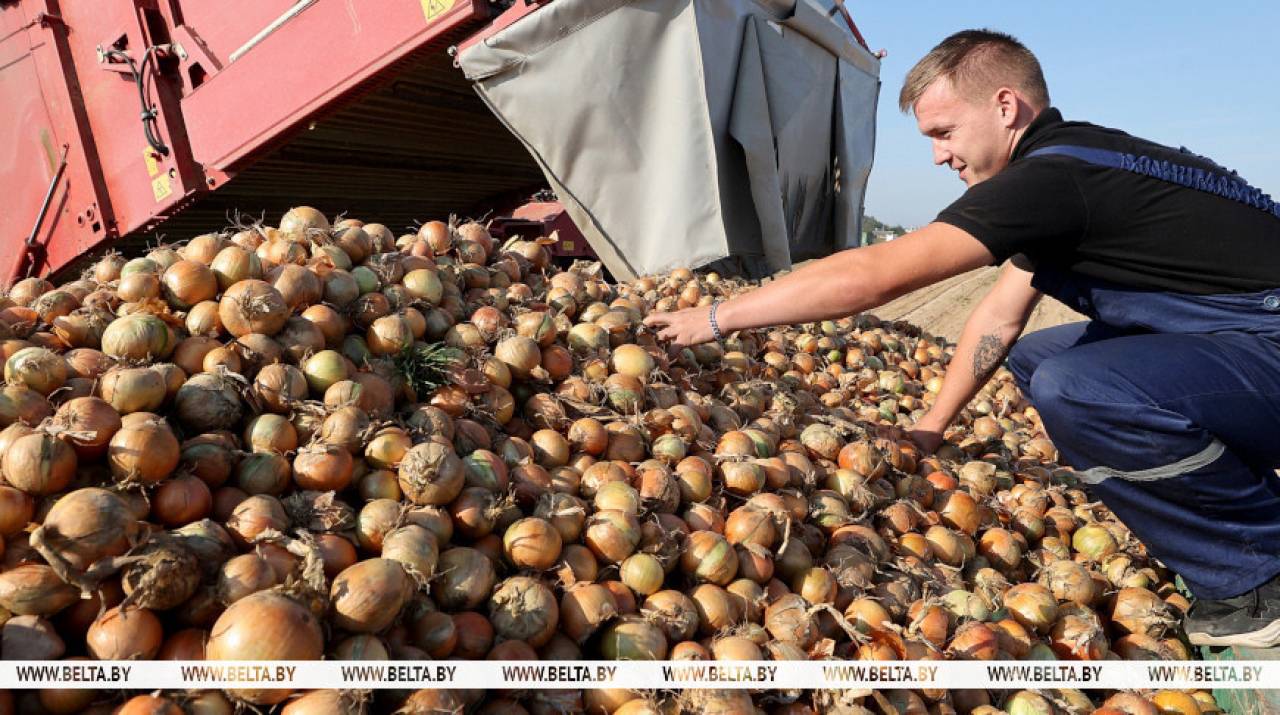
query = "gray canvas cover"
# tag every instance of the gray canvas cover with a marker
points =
(682, 132)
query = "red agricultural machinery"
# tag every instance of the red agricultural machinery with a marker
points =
(128, 121)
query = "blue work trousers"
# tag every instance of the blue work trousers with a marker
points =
(1168, 406)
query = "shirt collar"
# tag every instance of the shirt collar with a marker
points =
(1035, 130)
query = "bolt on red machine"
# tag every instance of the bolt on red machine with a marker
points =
(130, 121)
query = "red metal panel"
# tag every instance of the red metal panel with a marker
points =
(324, 51)
(42, 113)
(142, 183)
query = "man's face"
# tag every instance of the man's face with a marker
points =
(971, 137)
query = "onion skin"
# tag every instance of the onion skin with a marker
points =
(467, 578)
(368, 596)
(265, 626)
(39, 464)
(125, 634)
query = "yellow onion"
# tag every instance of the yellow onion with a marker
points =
(466, 578)
(265, 626)
(39, 464)
(368, 596)
(135, 389)
(252, 306)
(532, 543)
(37, 368)
(140, 336)
(524, 609)
(145, 450)
(323, 369)
(189, 282)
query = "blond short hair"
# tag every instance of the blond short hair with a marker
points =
(977, 63)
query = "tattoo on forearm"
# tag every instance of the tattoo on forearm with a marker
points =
(987, 355)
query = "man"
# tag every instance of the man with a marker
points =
(1168, 401)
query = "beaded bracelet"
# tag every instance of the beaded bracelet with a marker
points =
(715, 327)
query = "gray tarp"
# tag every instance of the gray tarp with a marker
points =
(681, 132)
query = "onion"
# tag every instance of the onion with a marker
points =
(1078, 637)
(300, 338)
(208, 402)
(298, 286)
(642, 573)
(252, 306)
(584, 608)
(189, 282)
(632, 360)
(1032, 605)
(234, 264)
(466, 578)
(788, 619)
(254, 515)
(140, 336)
(633, 638)
(1094, 542)
(39, 464)
(138, 286)
(37, 368)
(323, 369)
(524, 609)
(974, 641)
(33, 637)
(22, 404)
(520, 354)
(209, 460)
(137, 389)
(190, 353)
(1139, 611)
(146, 450)
(257, 351)
(278, 387)
(431, 474)
(1070, 581)
(265, 626)
(181, 500)
(263, 473)
(532, 543)
(35, 590)
(90, 423)
(424, 284)
(414, 548)
(125, 634)
(613, 535)
(273, 434)
(368, 596)
(709, 558)
(324, 467)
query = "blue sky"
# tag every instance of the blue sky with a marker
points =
(1203, 75)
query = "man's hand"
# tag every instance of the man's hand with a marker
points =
(928, 440)
(683, 327)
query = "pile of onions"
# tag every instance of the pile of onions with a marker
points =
(324, 440)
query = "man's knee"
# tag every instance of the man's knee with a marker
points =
(1022, 362)
(1052, 386)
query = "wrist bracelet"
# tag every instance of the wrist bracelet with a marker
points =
(715, 327)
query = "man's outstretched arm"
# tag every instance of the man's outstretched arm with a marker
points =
(838, 285)
(990, 331)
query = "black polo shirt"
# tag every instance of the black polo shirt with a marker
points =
(1117, 224)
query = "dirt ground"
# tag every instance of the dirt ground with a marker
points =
(943, 307)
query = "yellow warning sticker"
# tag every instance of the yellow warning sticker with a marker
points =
(149, 158)
(160, 186)
(435, 8)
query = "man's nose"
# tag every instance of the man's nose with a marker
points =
(941, 155)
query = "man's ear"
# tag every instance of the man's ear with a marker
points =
(1008, 106)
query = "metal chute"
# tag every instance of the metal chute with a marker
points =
(687, 132)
